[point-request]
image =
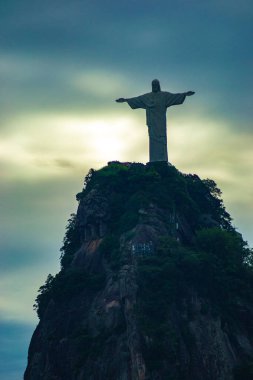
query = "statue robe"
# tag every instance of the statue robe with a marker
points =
(156, 104)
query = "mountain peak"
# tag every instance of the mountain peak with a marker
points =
(155, 283)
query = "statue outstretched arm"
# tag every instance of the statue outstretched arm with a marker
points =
(136, 102)
(176, 99)
(121, 100)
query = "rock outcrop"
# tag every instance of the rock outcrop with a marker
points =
(139, 297)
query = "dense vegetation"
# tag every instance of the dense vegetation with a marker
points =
(65, 285)
(216, 263)
(215, 267)
(71, 242)
(133, 186)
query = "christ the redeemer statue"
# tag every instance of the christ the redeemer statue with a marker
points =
(156, 103)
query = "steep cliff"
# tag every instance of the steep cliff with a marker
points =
(155, 284)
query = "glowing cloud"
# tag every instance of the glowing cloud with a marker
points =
(47, 145)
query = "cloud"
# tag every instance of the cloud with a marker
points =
(217, 151)
(34, 83)
(13, 350)
(100, 83)
(51, 144)
(22, 285)
(43, 146)
(33, 220)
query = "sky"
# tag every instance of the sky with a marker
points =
(62, 65)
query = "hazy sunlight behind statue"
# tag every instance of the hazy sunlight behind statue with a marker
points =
(156, 103)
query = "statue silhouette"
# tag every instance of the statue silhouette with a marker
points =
(156, 103)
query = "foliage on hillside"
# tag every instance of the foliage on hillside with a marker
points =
(65, 285)
(71, 242)
(217, 264)
(135, 185)
(215, 268)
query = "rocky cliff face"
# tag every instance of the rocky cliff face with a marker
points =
(141, 295)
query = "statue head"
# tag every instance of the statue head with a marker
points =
(156, 85)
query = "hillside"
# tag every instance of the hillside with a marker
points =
(155, 284)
